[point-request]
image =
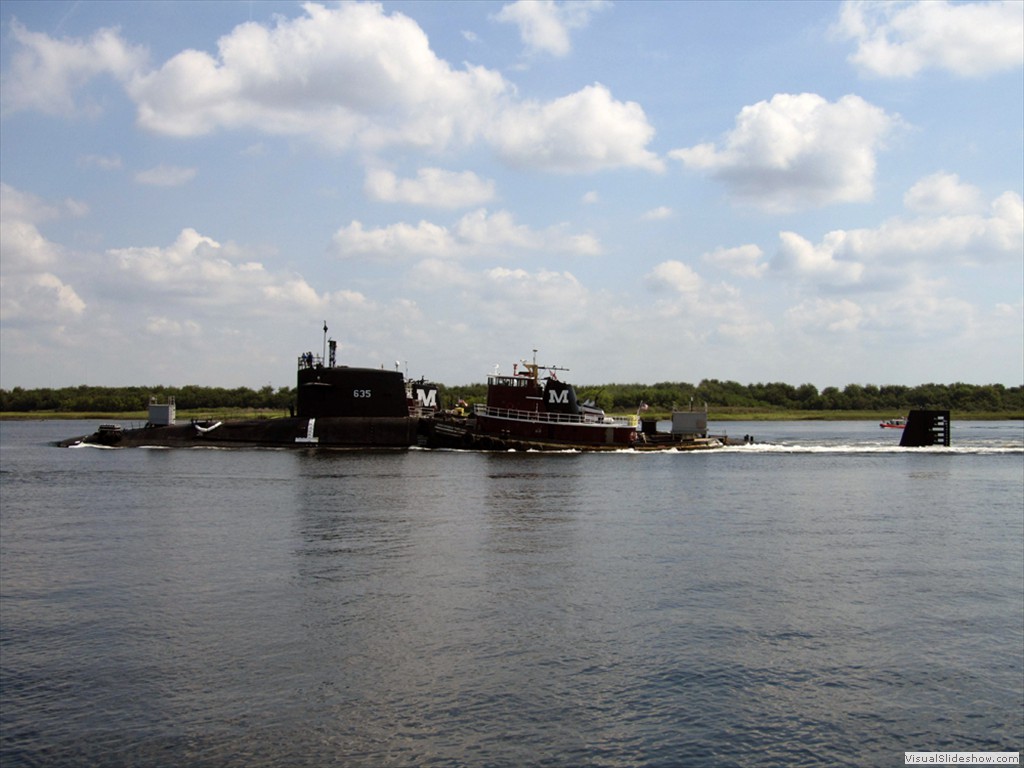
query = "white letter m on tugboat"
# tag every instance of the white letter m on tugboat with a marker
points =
(559, 397)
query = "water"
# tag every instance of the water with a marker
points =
(826, 599)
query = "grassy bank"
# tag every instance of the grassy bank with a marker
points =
(769, 414)
(217, 414)
(740, 414)
(714, 414)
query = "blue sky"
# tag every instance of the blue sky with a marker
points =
(643, 191)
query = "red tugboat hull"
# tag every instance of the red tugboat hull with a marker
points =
(528, 413)
(616, 435)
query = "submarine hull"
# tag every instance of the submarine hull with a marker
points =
(293, 432)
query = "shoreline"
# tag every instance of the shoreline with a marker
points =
(713, 415)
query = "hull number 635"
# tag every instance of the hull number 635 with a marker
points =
(361, 393)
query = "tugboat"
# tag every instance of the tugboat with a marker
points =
(525, 411)
(336, 407)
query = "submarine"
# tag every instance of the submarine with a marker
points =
(337, 406)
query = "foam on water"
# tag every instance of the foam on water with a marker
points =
(868, 448)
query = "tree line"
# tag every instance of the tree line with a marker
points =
(666, 396)
(614, 398)
(127, 399)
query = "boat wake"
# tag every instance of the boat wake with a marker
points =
(838, 449)
(872, 448)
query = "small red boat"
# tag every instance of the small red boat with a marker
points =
(898, 423)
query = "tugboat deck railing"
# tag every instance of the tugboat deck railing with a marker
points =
(512, 414)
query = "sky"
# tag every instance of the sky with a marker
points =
(802, 192)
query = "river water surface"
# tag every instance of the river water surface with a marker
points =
(823, 599)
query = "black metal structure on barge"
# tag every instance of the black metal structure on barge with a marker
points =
(925, 428)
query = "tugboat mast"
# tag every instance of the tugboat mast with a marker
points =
(535, 369)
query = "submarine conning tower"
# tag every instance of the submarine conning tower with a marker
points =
(343, 391)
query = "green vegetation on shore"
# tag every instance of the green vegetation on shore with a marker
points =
(224, 414)
(726, 400)
(199, 414)
(731, 400)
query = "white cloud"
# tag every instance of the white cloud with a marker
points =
(432, 187)
(582, 132)
(544, 25)
(745, 327)
(44, 73)
(432, 274)
(513, 309)
(213, 283)
(499, 229)
(213, 302)
(676, 276)
(826, 262)
(920, 309)
(901, 39)
(171, 328)
(657, 214)
(996, 235)
(475, 234)
(293, 291)
(39, 298)
(166, 176)
(22, 206)
(396, 241)
(24, 247)
(797, 151)
(904, 327)
(350, 77)
(474, 272)
(833, 315)
(923, 308)
(30, 292)
(544, 287)
(943, 193)
(217, 285)
(197, 270)
(694, 310)
(100, 162)
(744, 260)
(520, 304)
(845, 257)
(508, 306)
